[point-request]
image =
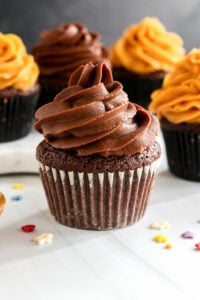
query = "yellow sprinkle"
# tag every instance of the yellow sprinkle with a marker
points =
(168, 246)
(18, 186)
(160, 238)
(2, 202)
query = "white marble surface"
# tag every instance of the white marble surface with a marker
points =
(19, 156)
(123, 264)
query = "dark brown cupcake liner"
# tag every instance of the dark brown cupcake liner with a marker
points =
(98, 201)
(183, 153)
(139, 89)
(16, 116)
(49, 91)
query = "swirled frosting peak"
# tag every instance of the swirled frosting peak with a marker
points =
(147, 47)
(17, 68)
(93, 115)
(61, 50)
(179, 98)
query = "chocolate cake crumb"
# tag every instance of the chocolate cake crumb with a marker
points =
(70, 161)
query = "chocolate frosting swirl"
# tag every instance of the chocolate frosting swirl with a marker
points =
(93, 115)
(61, 50)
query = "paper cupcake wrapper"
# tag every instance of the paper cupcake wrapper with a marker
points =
(98, 201)
(183, 153)
(16, 116)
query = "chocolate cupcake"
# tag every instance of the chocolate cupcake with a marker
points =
(143, 56)
(19, 89)
(99, 157)
(177, 104)
(60, 51)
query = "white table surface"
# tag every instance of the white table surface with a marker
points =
(123, 264)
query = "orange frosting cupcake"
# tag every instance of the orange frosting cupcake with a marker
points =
(142, 57)
(179, 98)
(147, 47)
(19, 89)
(177, 104)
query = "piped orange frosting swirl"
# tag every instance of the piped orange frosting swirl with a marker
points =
(93, 115)
(179, 98)
(147, 47)
(17, 68)
(61, 50)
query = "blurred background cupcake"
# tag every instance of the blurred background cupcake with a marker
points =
(142, 57)
(177, 104)
(19, 89)
(60, 51)
(99, 158)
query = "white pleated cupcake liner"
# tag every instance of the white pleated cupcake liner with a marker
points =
(98, 201)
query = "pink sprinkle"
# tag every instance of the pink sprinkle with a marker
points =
(28, 228)
(197, 246)
(187, 235)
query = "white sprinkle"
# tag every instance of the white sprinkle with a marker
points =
(161, 225)
(45, 238)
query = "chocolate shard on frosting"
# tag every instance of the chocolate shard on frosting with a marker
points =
(94, 116)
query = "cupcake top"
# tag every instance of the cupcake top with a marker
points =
(178, 100)
(17, 68)
(93, 116)
(147, 47)
(61, 50)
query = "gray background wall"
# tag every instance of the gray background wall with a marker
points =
(109, 17)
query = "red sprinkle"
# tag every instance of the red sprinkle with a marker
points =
(28, 228)
(197, 246)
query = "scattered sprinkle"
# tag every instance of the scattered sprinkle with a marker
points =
(197, 246)
(2, 202)
(187, 235)
(16, 198)
(160, 238)
(18, 186)
(168, 246)
(161, 225)
(28, 228)
(45, 238)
